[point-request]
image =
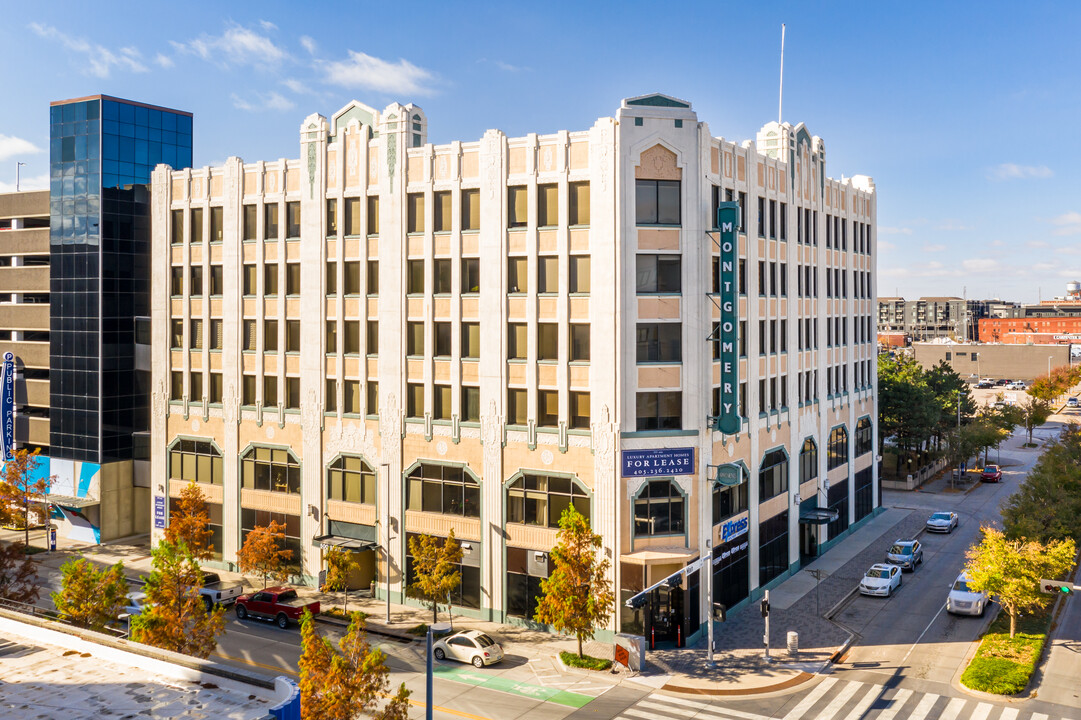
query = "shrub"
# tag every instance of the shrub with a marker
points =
(586, 661)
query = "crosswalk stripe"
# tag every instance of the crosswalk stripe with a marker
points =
(810, 699)
(838, 701)
(981, 712)
(924, 707)
(953, 709)
(639, 713)
(896, 703)
(705, 707)
(1008, 714)
(1038, 716)
(865, 702)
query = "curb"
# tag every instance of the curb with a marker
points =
(342, 623)
(792, 682)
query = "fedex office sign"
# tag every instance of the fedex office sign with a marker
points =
(665, 461)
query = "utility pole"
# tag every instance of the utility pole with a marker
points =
(18, 165)
(385, 467)
(765, 614)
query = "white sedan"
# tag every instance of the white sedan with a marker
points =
(942, 522)
(881, 579)
(471, 646)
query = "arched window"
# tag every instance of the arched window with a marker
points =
(659, 509)
(863, 437)
(270, 469)
(541, 499)
(808, 461)
(196, 460)
(352, 480)
(837, 452)
(773, 475)
(445, 489)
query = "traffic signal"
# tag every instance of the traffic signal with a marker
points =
(675, 581)
(765, 607)
(1056, 587)
(720, 612)
(638, 601)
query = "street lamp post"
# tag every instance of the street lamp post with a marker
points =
(18, 166)
(385, 467)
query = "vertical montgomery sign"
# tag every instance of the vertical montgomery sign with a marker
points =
(728, 419)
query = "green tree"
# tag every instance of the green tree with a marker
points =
(340, 565)
(1047, 505)
(190, 524)
(951, 393)
(346, 682)
(174, 616)
(1034, 412)
(909, 411)
(89, 597)
(577, 597)
(435, 569)
(264, 553)
(1010, 570)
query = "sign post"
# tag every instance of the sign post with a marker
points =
(728, 419)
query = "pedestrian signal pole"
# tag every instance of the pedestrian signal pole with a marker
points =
(765, 614)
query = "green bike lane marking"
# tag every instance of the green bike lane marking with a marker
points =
(495, 682)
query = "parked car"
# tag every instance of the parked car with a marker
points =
(991, 473)
(881, 579)
(984, 384)
(942, 522)
(1003, 382)
(136, 602)
(905, 553)
(279, 604)
(471, 646)
(1072, 402)
(215, 591)
(963, 600)
(1016, 385)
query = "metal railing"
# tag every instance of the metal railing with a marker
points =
(48, 614)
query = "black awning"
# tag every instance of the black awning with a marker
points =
(343, 543)
(818, 516)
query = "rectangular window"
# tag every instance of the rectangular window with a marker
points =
(270, 221)
(217, 280)
(176, 281)
(270, 336)
(178, 227)
(216, 330)
(659, 342)
(441, 397)
(332, 278)
(442, 339)
(580, 279)
(292, 278)
(414, 406)
(441, 220)
(517, 275)
(579, 342)
(196, 338)
(657, 202)
(470, 275)
(761, 337)
(292, 219)
(373, 337)
(517, 407)
(270, 279)
(270, 391)
(784, 221)
(195, 387)
(415, 279)
(352, 216)
(352, 278)
(248, 395)
(351, 344)
(471, 340)
(217, 223)
(373, 397)
(196, 228)
(517, 206)
(176, 386)
(250, 275)
(330, 396)
(579, 414)
(251, 222)
(372, 277)
(292, 336)
(658, 274)
(414, 334)
(471, 404)
(292, 393)
(547, 341)
(216, 388)
(773, 279)
(415, 213)
(547, 274)
(470, 210)
(547, 408)
(762, 289)
(579, 203)
(332, 217)
(761, 217)
(547, 205)
(351, 397)
(176, 334)
(249, 336)
(373, 215)
(517, 341)
(659, 411)
(441, 277)
(332, 336)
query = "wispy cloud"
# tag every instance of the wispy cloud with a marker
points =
(1037, 244)
(299, 87)
(99, 60)
(887, 230)
(267, 25)
(368, 72)
(934, 248)
(309, 44)
(10, 146)
(952, 225)
(886, 246)
(1010, 171)
(980, 265)
(237, 46)
(263, 101)
(163, 61)
(1068, 223)
(36, 182)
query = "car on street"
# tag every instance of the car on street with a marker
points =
(470, 646)
(280, 604)
(135, 604)
(991, 473)
(1072, 403)
(963, 600)
(905, 553)
(942, 522)
(881, 580)
(216, 591)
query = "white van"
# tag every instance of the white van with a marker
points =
(964, 601)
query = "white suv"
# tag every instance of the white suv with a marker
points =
(964, 601)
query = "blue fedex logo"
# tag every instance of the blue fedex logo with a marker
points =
(733, 529)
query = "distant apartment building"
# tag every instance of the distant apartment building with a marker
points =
(930, 318)
(386, 338)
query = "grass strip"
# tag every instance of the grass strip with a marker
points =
(587, 662)
(1003, 665)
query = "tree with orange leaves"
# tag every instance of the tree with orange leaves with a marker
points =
(264, 553)
(19, 487)
(190, 524)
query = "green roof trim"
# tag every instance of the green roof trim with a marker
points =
(658, 101)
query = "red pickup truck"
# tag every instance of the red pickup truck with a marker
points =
(279, 604)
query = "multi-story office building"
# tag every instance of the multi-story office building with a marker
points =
(388, 338)
(87, 397)
(930, 318)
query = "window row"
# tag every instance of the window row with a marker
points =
(547, 337)
(200, 386)
(741, 273)
(195, 223)
(213, 340)
(271, 226)
(864, 378)
(548, 414)
(198, 281)
(772, 219)
(807, 385)
(357, 277)
(806, 281)
(547, 280)
(346, 336)
(837, 234)
(270, 285)
(350, 219)
(772, 278)
(772, 336)
(807, 226)
(776, 398)
(836, 380)
(807, 333)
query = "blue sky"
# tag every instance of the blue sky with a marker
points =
(951, 107)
